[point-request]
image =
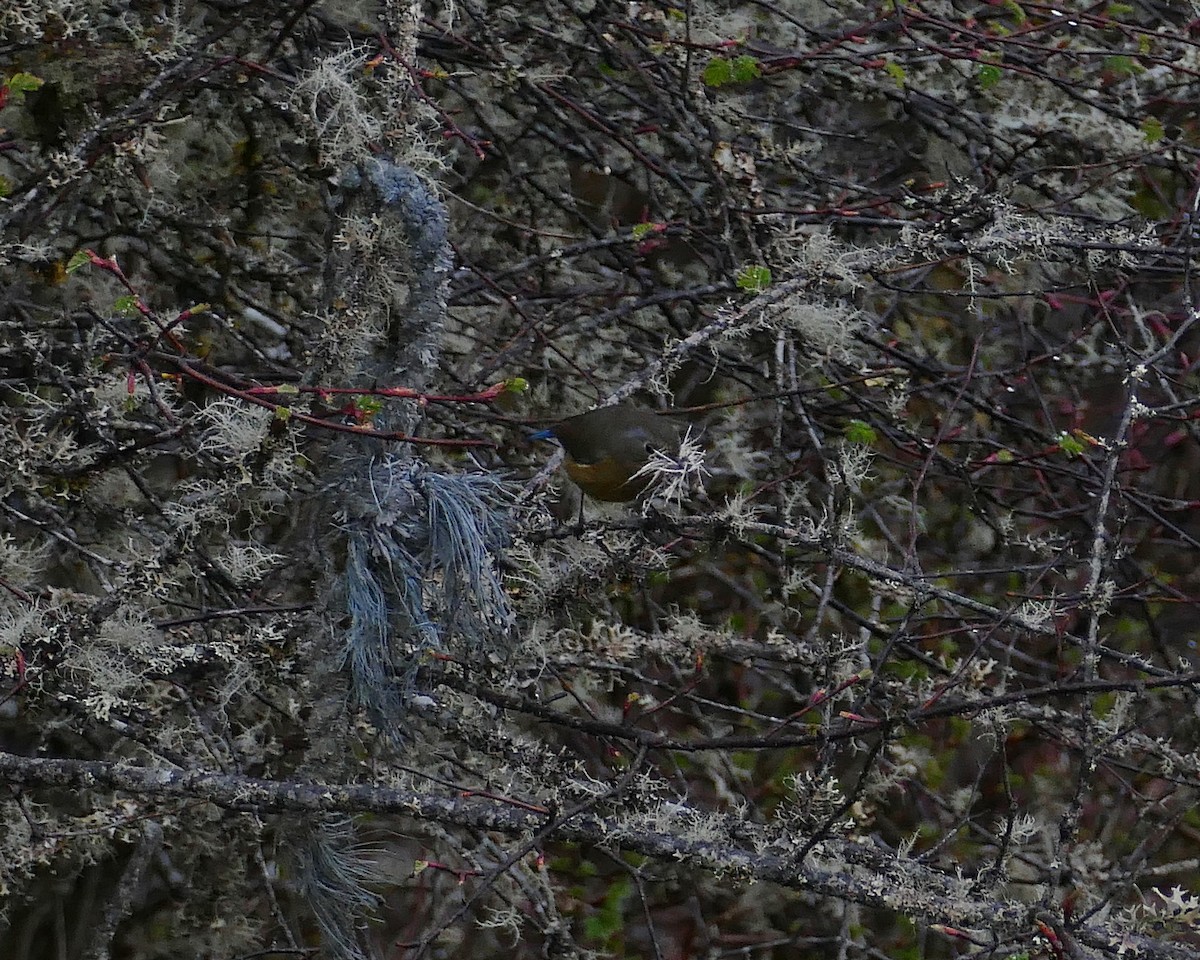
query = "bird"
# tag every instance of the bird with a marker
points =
(606, 447)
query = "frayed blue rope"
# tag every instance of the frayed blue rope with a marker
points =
(422, 577)
(423, 215)
(335, 875)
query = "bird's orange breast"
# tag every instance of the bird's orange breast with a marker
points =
(609, 480)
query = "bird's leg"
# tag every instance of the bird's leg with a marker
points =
(579, 519)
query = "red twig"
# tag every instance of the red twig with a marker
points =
(454, 130)
(817, 698)
(188, 369)
(406, 393)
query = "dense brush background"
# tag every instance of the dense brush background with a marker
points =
(293, 671)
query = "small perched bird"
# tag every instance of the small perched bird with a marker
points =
(606, 447)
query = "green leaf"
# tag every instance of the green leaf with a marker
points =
(896, 72)
(1152, 129)
(77, 261)
(1148, 201)
(859, 431)
(5, 186)
(609, 920)
(1014, 8)
(988, 76)
(368, 405)
(127, 305)
(1070, 445)
(717, 73)
(23, 82)
(754, 279)
(516, 385)
(1122, 65)
(1119, 10)
(745, 69)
